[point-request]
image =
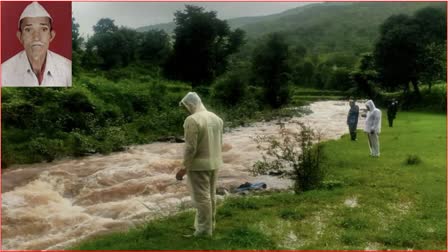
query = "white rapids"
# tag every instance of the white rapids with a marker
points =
(50, 206)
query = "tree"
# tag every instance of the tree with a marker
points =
(433, 62)
(367, 62)
(364, 84)
(236, 39)
(111, 46)
(322, 73)
(130, 40)
(155, 47)
(105, 25)
(77, 41)
(90, 59)
(396, 51)
(308, 72)
(107, 47)
(409, 48)
(338, 60)
(432, 27)
(202, 45)
(271, 69)
(231, 88)
(340, 79)
(301, 71)
(365, 77)
(432, 24)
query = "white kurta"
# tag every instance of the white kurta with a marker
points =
(17, 72)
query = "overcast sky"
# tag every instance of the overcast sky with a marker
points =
(137, 14)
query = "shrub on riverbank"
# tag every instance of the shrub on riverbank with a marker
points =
(297, 155)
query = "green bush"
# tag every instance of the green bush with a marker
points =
(118, 74)
(339, 79)
(308, 173)
(230, 89)
(412, 160)
(110, 139)
(431, 100)
(81, 144)
(296, 155)
(44, 148)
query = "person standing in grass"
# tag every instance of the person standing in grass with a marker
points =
(352, 119)
(392, 112)
(202, 159)
(373, 128)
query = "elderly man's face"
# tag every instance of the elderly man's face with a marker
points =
(35, 35)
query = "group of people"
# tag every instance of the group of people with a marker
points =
(203, 132)
(373, 123)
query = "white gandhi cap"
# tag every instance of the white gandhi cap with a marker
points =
(34, 9)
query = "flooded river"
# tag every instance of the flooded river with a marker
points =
(53, 205)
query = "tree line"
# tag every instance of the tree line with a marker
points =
(197, 53)
(410, 51)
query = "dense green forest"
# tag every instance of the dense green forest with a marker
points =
(127, 83)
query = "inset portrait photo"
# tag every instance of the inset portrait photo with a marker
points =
(36, 44)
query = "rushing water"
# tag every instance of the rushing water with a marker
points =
(53, 205)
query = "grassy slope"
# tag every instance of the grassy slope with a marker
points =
(399, 206)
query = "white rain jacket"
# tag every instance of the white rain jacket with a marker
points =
(373, 120)
(203, 136)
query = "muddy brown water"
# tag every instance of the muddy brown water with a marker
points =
(51, 206)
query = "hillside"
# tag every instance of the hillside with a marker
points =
(324, 28)
(234, 22)
(336, 27)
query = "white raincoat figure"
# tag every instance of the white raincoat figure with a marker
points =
(373, 128)
(202, 159)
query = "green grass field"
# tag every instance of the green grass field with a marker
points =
(368, 203)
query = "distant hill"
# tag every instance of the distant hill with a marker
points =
(234, 22)
(324, 27)
(335, 27)
(167, 27)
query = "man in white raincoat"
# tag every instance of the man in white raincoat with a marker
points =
(373, 128)
(202, 159)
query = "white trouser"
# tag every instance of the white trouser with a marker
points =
(374, 144)
(202, 185)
